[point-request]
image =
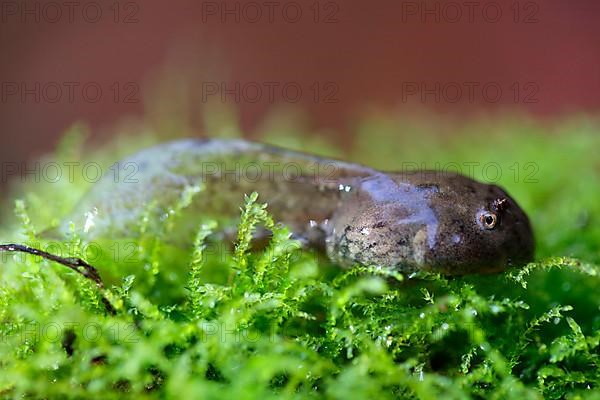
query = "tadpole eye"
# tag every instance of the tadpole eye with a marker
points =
(488, 220)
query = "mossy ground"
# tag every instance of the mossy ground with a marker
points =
(284, 323)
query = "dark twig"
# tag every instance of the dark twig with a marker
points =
(73, 263)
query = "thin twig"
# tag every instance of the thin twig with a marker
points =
(73, 263)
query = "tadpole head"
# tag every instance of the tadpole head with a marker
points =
(481, 229)
(441, 223)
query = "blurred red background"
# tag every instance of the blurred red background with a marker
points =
(343, 55)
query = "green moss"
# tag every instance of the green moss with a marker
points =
(284, 323)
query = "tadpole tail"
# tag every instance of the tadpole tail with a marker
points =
(76, 264)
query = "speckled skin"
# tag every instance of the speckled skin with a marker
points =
(423, 220)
